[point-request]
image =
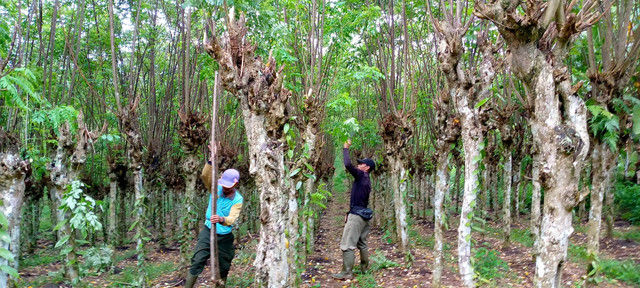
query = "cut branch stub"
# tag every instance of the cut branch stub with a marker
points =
(258, 85)
(397, 130)
(192, 130)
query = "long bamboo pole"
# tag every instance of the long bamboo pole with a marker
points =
(213, 245)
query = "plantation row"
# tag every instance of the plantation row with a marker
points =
(471, 111)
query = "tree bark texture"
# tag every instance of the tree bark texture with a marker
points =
(12, 174)
(604, 165)
(398, 177)
(60, 177)
(188, 221)
(442, 182)
(538, 48)
(506, 204)
(396, 132)
(258, 86)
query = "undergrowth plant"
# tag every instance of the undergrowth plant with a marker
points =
(83, 220)
(488, 265)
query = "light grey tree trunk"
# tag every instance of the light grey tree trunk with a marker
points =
(140, 227)
(517, 178)
(112, 230)
(603, 170)
(12, 173)
(259, 88)
(267, 165)
(506, 204)
(189, 221)
(562, 148)
(609, 197)
(61, 178)
(442, 182)
(291, 242)
(398, 175)
(535, 206)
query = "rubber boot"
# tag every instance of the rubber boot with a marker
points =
(190, 281)
(364, 260)
(348, 257)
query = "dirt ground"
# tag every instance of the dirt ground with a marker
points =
(327, 259)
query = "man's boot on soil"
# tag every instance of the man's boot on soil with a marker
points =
(190, 281)
(348, 257)
(364, 260)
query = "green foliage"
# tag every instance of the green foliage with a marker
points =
(522, 236)
(97, 258)
(421, 240)
(366, 281)
(627, 198)
(17, 84)
(578, 253)
(83, 219)
(379, 261)
(54, 117)
(82, 208)
(488, 265)
(387, 237)
(633, 235)
(604, 124)
(627, 271)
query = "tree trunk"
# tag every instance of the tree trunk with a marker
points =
(471, 140)
(603, 170)
(12, 174)
(609, 196)
(189, 219)
(268, 166)
(561, 147)
(398, 175)
(259, 87)
(61, 178)
(140, 236)
(122, 217)
(518, 179)
(113, 202)
(441, 188)
(506, 203)
(536, 194)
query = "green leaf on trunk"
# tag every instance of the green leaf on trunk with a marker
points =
(10, 270)
(482, 102)
(4, 236)
(6, 254)
(294, 172)
(636, 120)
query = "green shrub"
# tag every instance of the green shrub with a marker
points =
(98, 258)
(627, 200)
(379, 261)
(626, 271)
(488, 265)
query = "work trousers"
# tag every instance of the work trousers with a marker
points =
(226, 251)
(355, 233)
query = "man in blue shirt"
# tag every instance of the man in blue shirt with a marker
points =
(228, 206)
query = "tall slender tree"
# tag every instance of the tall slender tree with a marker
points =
(619, 59)
(259, 87)
(538, 44)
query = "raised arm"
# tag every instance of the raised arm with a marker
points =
(347, 161)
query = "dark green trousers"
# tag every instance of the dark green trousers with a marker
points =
(226, 251)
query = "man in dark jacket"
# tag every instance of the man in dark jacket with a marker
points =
(356, 229)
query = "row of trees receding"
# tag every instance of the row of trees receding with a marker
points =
(506, 96)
